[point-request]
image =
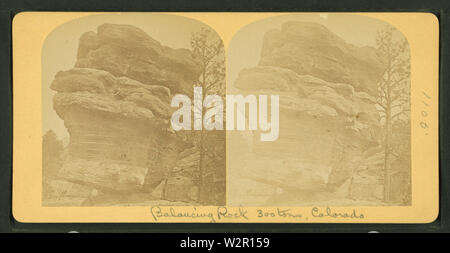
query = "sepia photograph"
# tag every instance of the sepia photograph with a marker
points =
(225, 117)
(344, 120)
(108, 82)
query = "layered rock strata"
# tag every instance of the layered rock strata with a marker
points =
(115, 104)
(328, 120)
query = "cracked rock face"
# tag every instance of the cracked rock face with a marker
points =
(125, 50)
(111, 122)
(115, 104)
(327, 120)
(311, 49)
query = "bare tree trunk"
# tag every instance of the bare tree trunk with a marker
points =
(387, 175)
(200, 168)
(201, 148)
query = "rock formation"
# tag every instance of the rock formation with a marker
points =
(312, 49)
(115, 104)
(124, 50)
(328, 119)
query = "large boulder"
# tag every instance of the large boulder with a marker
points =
(99, 91)
(307, 96)
(328, 119)
(312, 49)
(115, 104)
(125, 50)
(324, 129)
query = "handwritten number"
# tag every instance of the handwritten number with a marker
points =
(423, 124)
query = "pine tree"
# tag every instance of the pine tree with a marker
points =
(393, 92)
(208, 50)
(52, 149)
